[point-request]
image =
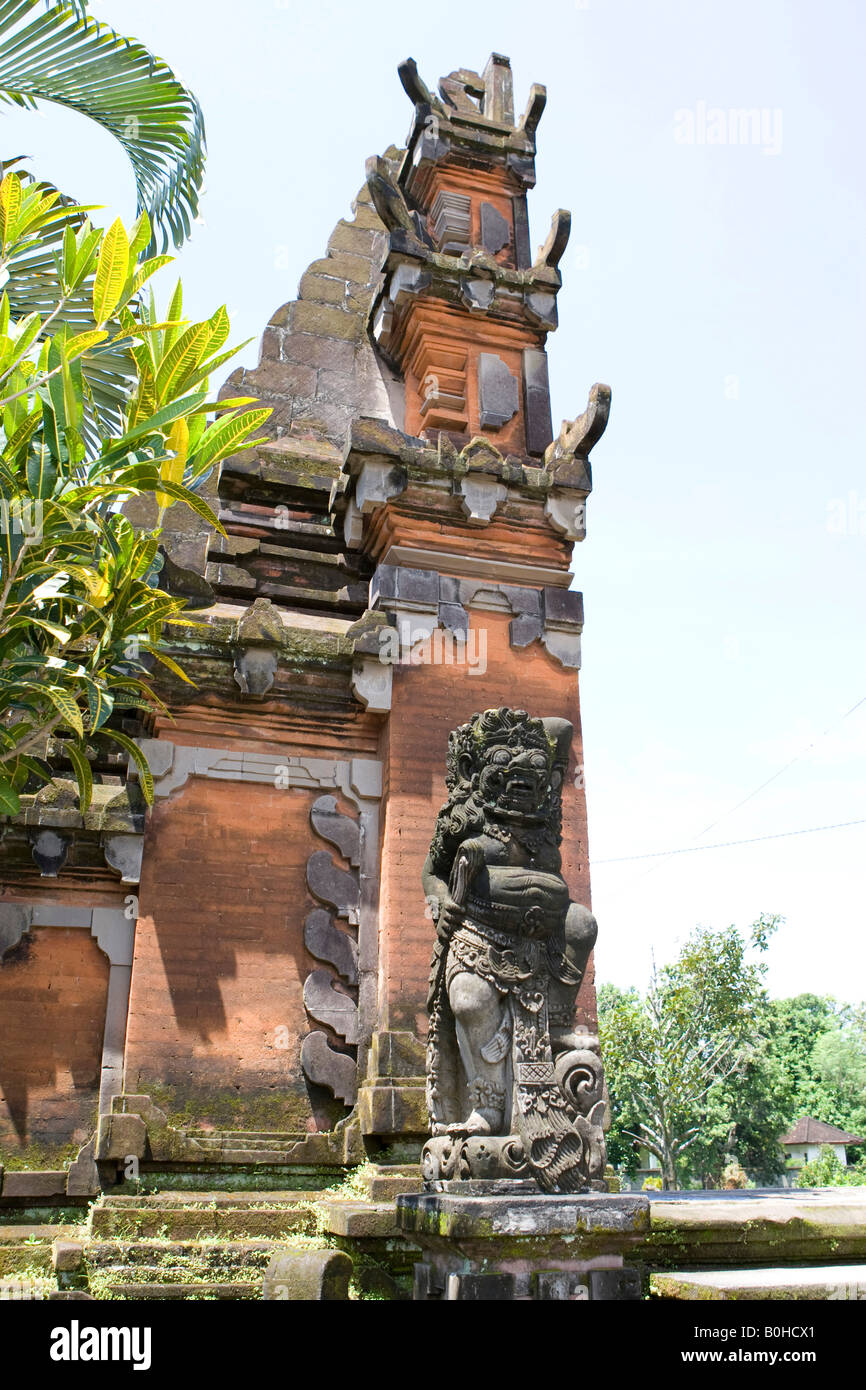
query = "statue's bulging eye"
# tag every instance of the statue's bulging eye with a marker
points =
(539, 762)
(501, 757)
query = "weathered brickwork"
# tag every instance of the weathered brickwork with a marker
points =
(429, 701)
(53, 988)
(216, 1009)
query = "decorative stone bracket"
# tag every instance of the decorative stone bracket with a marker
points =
(421, 600)
(53, 823)
(339, 889)
(260, 636)
(481, 496)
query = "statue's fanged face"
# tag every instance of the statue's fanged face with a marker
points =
(515, 783)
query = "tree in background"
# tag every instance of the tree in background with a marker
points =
(819, 1045)
(840, 1062)
(805, 1056)
(670, 1054)
(744, 1117)
(100, 401)
(54, 50)
(793, 1027)
(625, 1116)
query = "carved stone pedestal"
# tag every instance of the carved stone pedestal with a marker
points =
(480, 1157)
(502, 1240)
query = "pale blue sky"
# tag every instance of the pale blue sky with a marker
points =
(719, 289)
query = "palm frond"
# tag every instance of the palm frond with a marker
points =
(33, 286)
(67, 56)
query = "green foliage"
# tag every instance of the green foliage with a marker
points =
(622, 1148)
(819, 1046)
(671, 1054)
(840, 1063)
(828, 1170)
(800, 1056)
(793, 1027)
(744, 1116)
(80, 617)
(65, 55)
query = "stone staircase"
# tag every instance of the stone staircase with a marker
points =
(219, 1244)
(214, 1245)
(194, 1245)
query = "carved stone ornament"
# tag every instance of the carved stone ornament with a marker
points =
(513, 1090)
(258, 648)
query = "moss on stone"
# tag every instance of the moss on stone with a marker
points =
(227, 1109)
(37, 1157)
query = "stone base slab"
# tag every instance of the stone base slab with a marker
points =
(708, 1231)
(503, 1240)
(837, 1282)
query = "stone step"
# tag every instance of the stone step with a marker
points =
(174, 1198)
(240, 1137)
(20, 1255)
(178, 1269)
(383, 1184)
(837, 1282)
(161, 1292)
(244, 1143)
(170, 1256)
(12, 1232)
(251, 1153)
(192, 1221)
(712, 1231)
(13, 1290)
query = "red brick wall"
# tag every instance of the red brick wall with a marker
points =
(53, 990)
(429, 701)
(220, 959)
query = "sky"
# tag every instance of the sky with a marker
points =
(717, 285)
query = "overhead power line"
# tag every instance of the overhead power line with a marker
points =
(790, 763)
(726, 844)
(665, 854)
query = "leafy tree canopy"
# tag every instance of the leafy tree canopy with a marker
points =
(671, 1053)
(80, 614)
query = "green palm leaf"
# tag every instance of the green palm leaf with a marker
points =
(67, 56)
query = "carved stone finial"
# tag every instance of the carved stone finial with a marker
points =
(415, 87)
(553, 249)
(260, 635)
(577, 437)
(390, 202)
(513, 1091)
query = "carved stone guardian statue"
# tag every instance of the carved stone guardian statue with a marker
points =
(513, 1090)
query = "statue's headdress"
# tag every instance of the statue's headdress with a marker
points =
(471, 749)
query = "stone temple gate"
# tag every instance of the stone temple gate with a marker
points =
(237, 977)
